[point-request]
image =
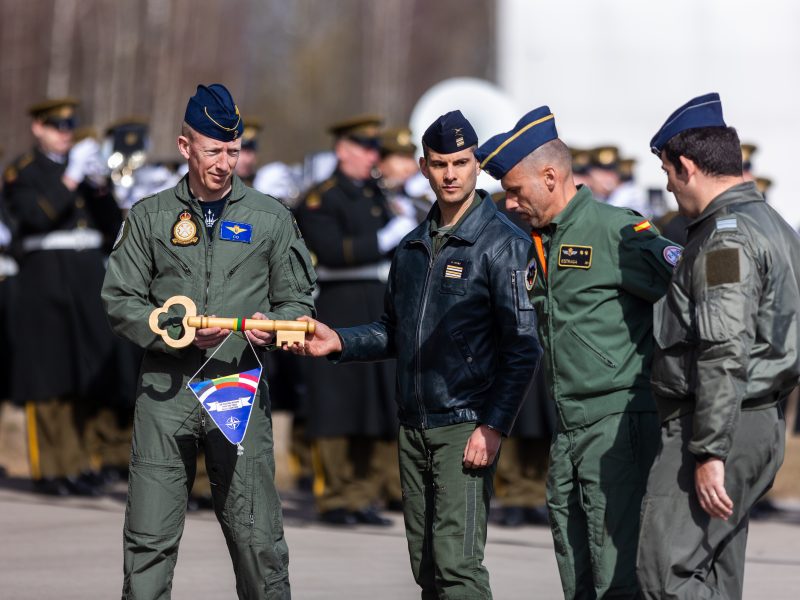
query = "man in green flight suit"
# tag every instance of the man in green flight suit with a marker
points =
(233, 251)
(596, 272)
(726, 355)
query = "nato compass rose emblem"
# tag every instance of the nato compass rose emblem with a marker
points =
(232, 423)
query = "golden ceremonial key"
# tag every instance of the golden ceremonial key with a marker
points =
(287, 332)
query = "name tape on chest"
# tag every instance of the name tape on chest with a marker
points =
(571, 256)
(236, 232)
(456, 269)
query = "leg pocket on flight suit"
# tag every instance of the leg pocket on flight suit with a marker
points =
(156, 498)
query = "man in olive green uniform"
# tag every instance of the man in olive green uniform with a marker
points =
(596, 272)
(233, 251)
(726, 355)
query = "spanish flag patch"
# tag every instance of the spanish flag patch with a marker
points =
(643, 226)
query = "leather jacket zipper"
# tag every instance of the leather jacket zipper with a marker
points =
(423, 305)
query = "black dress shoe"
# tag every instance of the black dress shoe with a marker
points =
(370, 516)
(196, 503)
(537, 515)
(50, 486)
(512, 516)
(394, 506)
(338, 516)
(81, 486)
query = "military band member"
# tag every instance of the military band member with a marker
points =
(232, 250)
(351, 230)
(726, 355)
(596, 272)
(65, 215)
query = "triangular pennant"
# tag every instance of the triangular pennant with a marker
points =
(229, 401)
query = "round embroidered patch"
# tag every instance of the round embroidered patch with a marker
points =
(672, 254)
(530, 274)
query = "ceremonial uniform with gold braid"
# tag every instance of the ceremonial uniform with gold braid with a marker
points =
(340, 220)
(62, 341)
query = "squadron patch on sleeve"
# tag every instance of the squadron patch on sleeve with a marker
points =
(672, 254)
(530, 274)
(575, 257)
(722, 266)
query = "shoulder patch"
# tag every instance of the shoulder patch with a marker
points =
(643, 226)
(10, 174)
(672, 254)
(313, 200)
(727, 224)
(722, 266)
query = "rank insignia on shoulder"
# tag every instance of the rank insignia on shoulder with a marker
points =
(456, 269)
(236, 232)
(672, 254)
(184, 231)
(727, 224)
(574, 257)
(313, 201)
(643, 226)
(530, 274)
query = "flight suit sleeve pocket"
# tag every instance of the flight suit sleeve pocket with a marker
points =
(298, 268)
(522, 291)
(669, 328)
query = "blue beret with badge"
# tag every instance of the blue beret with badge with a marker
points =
(450, 133)
(213, 113)
(703, 111)
(502, 152)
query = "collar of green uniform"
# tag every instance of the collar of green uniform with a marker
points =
(471, 222)
(737, 194)
(238, 189)
(581, 198)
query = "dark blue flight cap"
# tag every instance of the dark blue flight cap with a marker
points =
(212, 112)
(450, 133)
(502, 152)
(703, 111)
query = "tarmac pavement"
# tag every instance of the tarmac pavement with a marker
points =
(71, 549)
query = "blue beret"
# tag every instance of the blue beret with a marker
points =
(450, 133)
(502, 152)
(212, 112)
(703, 111)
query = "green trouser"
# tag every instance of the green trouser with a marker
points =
(522, 472)
(595, 486)
(683, 552)
(445, 508)
(162, 469)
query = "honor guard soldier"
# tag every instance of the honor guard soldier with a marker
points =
(231, 250)
(594, 276)
(8, 280)
(247, 164)
(350, 229)
(65, 216)
(727, 341)
(459, 324)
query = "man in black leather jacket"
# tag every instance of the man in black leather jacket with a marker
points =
(458, 320)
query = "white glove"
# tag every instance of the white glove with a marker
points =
(81, 158)
(394, 231)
